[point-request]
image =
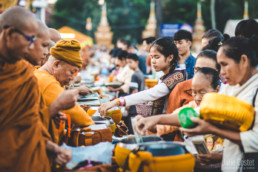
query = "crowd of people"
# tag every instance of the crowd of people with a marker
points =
(37, 68)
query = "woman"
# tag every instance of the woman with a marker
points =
(182, 94)
(164, 57)
(206, 80)
(238, 58)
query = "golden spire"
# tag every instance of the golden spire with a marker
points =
(150, 29)
(199, 10)
(198, 30)
(103, 35)
(246, 10)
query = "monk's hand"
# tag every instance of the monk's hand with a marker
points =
(66, 100)
(63, 155)
(59, 116)
(84, 90)
(105, 106)
(77, 79)
(144, 124)
(203, 127)
(211, 158)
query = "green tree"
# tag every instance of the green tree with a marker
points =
(128, 18)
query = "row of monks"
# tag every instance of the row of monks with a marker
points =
(35, 65)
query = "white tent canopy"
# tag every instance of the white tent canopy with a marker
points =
(231, 26)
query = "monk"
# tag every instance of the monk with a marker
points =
(66, 100)
(55, 36)
(24, 140)
(57, 72)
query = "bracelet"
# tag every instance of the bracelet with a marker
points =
(122, 101)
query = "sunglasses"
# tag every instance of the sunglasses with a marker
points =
(30, 39)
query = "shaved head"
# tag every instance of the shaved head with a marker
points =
(40, 51)
(43, 29)
(17, 17)
(18, 27)
(54, 35)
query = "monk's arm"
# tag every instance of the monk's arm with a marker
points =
(78, 115)
(65, 100)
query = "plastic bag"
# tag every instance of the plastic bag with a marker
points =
(101, 152)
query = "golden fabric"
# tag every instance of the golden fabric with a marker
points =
(68, 51)
(23, 136)
(51, 89)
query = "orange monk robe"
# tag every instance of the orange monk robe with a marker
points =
(23, 136)
(44, 112)
(51, 89)
(179, 96)
(47, 121)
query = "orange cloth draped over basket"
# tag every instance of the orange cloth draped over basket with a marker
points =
(23, 136)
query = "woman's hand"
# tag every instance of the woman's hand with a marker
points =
(144, 124)
(202, 128)
(211, 158)
(105, 106)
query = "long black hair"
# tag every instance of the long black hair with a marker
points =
(235, 47)
(246, 28)
(167, 47)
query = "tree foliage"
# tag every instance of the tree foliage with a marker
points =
(128, 18)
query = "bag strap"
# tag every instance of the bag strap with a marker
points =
(253, 103)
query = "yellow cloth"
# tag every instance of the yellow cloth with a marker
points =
(51, 89)
(68, 51)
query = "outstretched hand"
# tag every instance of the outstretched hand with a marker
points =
(105, 106)
(66, 100)
(83, 90)
(145, 124)
(203, 127)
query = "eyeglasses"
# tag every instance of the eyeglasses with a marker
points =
(30, 39)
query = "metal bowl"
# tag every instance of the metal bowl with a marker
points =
(130, 143)
(102, 120)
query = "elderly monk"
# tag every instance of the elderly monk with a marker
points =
(59, 70)
(66, 100)
(54, 35)
(24, 140)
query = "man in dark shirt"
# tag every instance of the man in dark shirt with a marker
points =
(183, 41)
(137, 84)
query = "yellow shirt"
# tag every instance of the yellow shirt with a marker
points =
(51, 89)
